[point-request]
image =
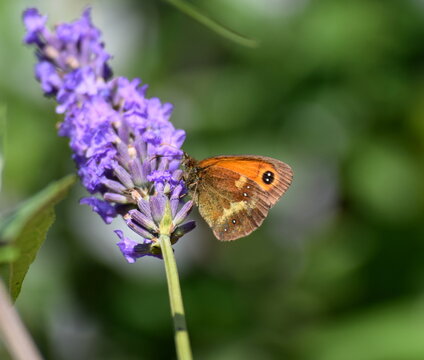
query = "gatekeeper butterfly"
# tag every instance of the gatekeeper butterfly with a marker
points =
(235, 193)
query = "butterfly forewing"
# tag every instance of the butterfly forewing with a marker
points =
(234, 193)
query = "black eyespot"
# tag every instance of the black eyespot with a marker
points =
(233, 221)
(268, 177)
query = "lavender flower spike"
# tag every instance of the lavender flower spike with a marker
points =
(125, 148)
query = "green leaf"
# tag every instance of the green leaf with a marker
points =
(213, 25)
(8, 253)
(26, 229)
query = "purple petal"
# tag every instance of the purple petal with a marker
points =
(50, 81)
(136, 171)
(123, 176)
(116, 198)
(144, 207)
(34, 24)
(175, 198)
(113, 185)
(183, 213)
(139, 229)
(143, 220)
(103, 208)
(157, 205)
(128, 247)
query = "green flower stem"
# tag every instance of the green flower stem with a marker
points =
(182, 341)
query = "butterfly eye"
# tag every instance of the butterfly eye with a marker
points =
(268, 177)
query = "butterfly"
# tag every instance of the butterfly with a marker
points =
(235, 193)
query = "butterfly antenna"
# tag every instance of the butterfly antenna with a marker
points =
(184, 154)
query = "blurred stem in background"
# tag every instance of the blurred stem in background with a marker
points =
(2, 139)
(213, 25)
(13, 332)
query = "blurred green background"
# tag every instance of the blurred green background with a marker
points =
(336, 90)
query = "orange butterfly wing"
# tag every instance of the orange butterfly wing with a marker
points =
(234, 193)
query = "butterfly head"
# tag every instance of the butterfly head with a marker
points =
(190, 169)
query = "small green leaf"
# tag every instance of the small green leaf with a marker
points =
(213, 25)
(26, 229)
